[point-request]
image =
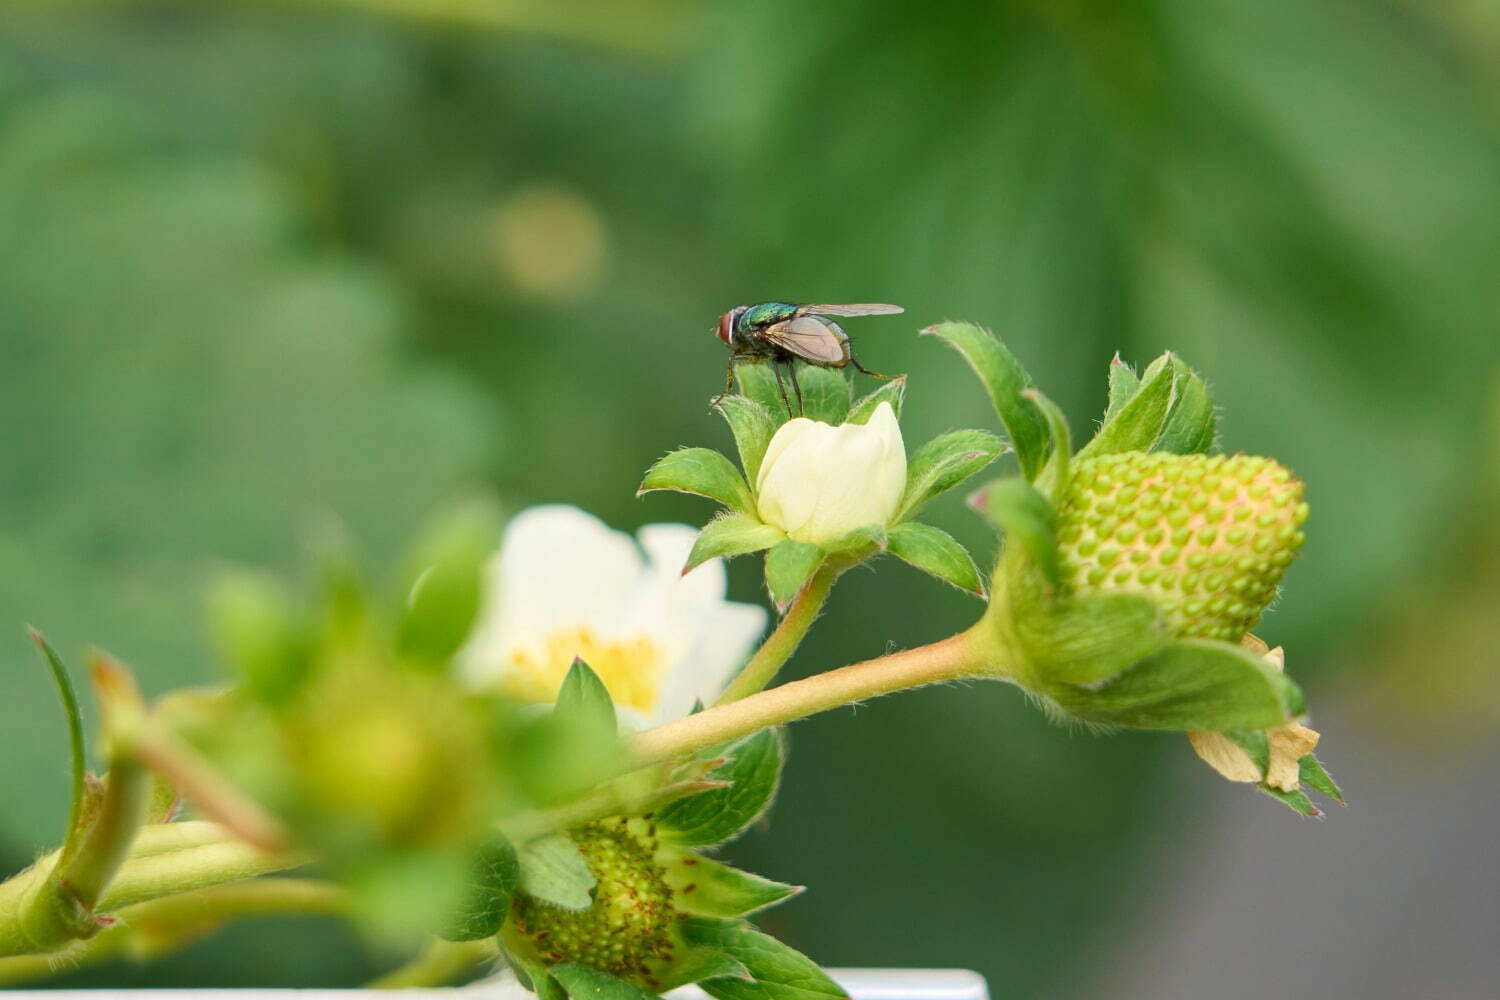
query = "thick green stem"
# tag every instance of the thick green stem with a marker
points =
(784, 640)
(439, 964)
(154, 928)
(169, 859)
(947, 660)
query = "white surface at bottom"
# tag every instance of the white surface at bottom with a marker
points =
(862, 984)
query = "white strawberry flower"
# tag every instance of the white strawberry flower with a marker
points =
(564, 585)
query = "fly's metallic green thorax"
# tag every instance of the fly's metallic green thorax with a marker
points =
(763, 315)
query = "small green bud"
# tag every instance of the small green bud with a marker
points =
(1211, 555)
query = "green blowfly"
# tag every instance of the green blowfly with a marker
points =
(783, 333)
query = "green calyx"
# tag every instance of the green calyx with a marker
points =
(1208, 538)
(626, 930)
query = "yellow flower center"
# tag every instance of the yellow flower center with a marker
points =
(631, 667)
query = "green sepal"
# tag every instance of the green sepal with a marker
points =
(943, 463)
(493, 875)
(1188, 684)
(937, 553)
(583, 983)
(535, 977)
(708, 888)
(693, 965)
(701, 471)
(1169, 411)
(825, 393)
(1027, 519)
(1296, 801)
(1314, 776)
(1005, 380)
(1053, 480)
(757, 381)
(1192, 422)
(1136, 424)
(1124, 383)
(583, 699)
(752, 766)
(62, 681)
(752, 427)
(1256, 744)
(1089, 638)
(552, 869)
(260, 632)
(893, 392)
(444, 582)
(860, 543)
(778, 971)
(789, 565)
(730, 535)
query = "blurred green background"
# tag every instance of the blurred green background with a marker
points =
(264, 260)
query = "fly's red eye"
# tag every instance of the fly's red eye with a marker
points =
(724, 324)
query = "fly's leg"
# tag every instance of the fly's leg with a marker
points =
(728, 385)
(776, 367)
(791, 370)
(855, 362)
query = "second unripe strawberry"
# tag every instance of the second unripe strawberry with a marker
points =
(1207, 536)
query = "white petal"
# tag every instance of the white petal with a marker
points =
(667, 547)
(558, 566)
(724, 641)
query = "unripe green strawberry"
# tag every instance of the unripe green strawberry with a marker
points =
(625, 932)
(1206, 536)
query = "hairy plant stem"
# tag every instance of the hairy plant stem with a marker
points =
(784, 639)
(949, 659)
(162, 925)
(165, 860)
(439, 964)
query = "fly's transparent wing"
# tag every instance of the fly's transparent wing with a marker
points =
(811, 337)
(851, 309)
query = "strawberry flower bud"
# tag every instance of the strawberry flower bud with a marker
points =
(819, 482)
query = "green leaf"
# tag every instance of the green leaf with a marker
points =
(584, 697)
(583, 983)
(704, 472)
(758, 382)
(789, 565)
(444, 583)
(1090, 638)
(893, 392)
(494, 875)
(1027, 519)
(1314, 776)
(752, 427)
(1188, 684)
(78, 751)
(779, 972)
(553, 870)
(261, 635)
(730, 535)
(825, 393)
(936, 552)
(943, 463)
(1124, 383)
(1005, 380)
(753, 767)
(708, 888)
(693, 965)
